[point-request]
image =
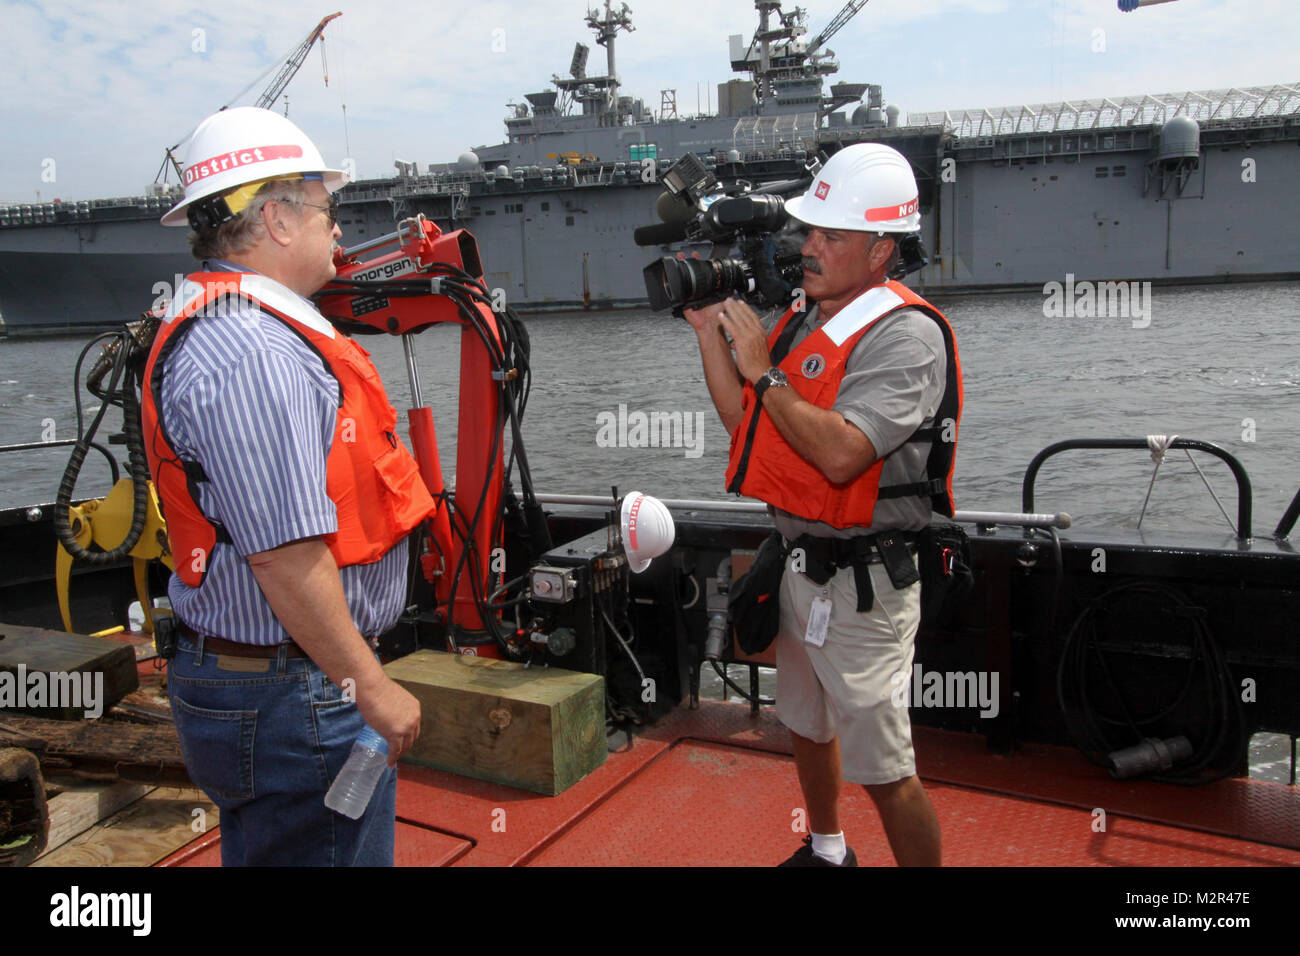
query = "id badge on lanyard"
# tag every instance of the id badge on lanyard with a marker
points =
(819, 619)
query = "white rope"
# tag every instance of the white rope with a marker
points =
(1159, 444)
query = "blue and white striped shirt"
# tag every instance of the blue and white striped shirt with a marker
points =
(244, 396)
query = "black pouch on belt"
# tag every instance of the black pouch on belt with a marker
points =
(755, 598)
(943, 552)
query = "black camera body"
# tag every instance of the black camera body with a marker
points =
(768, 268)
(765, 272)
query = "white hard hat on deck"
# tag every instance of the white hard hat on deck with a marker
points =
(246, 146)
(647, 528)
(866, 187)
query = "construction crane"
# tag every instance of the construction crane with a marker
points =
(293, 63)
(847, 13)
(269, 95)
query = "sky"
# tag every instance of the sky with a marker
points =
(92, 93)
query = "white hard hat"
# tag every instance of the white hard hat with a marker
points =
(867, 187)
(239, 146)
(648, 529)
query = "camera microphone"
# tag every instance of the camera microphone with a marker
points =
(659, 234)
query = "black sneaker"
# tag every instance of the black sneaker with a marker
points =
(804, 856)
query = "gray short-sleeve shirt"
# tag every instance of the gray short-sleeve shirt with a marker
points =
(893, 383)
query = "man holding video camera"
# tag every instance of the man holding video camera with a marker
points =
(844, 421)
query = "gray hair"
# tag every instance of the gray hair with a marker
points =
(241, 233)
(894, 255)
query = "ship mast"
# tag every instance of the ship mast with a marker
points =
(606, 29)
(787, 69)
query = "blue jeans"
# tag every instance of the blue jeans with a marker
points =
(264, 738)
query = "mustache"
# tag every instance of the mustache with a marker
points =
(811, 265)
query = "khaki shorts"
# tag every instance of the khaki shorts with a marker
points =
(844, 687)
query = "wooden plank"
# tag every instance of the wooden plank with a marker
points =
(147, 753)
(29, 655)
(80, 806)
(151, 828)
(541, 729)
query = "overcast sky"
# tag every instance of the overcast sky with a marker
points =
(101, 88)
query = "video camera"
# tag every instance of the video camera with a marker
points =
(768, 268)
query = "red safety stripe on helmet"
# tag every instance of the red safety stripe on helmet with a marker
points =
(239, 157)
(631, 521)
(892, 212)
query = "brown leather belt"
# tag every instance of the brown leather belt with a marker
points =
(219, 645)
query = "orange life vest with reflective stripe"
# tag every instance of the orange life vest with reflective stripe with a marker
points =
(763, 465)
(372, 479)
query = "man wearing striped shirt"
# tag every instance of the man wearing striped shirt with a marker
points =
(275, 675)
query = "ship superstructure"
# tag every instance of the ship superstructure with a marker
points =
(1152, 187)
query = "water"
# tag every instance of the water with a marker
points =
(1218, 363)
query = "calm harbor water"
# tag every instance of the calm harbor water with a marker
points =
(1219, 363)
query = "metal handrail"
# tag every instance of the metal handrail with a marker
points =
(1243, 480)
(1289, 517)
(1058, 520)
(28, 446)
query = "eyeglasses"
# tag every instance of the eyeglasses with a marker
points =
(332, 209)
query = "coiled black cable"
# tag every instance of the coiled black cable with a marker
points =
(1222, 748)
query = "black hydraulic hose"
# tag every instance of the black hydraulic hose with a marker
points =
(1224, 739)
(138, 464)
(470, 553)
(512, 351)
(734, 686)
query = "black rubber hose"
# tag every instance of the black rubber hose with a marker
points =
(1224, 740)
(138, 465)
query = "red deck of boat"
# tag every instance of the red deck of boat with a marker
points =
(716, 786)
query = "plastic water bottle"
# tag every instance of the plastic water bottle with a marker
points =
(352, 788)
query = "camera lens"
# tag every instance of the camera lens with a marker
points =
(677, 282)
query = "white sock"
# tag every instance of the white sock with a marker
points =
(830, 847)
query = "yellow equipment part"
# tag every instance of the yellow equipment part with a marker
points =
(105, 522)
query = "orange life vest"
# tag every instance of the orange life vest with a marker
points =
(763, 465)
(372, 479)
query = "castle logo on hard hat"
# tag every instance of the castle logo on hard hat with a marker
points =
(823, 188)
(892, 212)
(813, 366)
(239, 157)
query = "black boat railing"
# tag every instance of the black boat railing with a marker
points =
(1192, 444)
(1289, 517)
(31, 445)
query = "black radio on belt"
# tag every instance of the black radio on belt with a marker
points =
(897, 559)
(165, 633)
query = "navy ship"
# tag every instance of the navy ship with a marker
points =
(1158, 188)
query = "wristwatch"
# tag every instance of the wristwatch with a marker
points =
(772, 378)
